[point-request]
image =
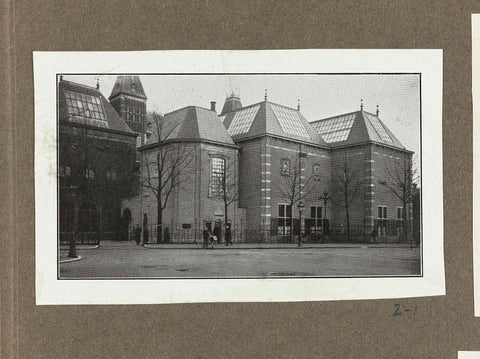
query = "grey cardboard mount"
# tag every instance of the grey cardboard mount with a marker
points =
(336, 329)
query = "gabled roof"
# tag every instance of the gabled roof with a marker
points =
(128, 85)
(267, 118)
(355, 128)
(87, 106)
(190, 123)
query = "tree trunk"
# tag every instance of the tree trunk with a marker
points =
(226, 218)
(347, 217)
(405, 222)
(290, 236)
(159, 222)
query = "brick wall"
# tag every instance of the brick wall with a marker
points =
(353, 162)
(383, 160)
(191, 204)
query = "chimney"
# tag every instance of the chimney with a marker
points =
(98, 84)
(212, 105)
(61, 78)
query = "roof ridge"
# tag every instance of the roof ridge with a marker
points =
(332, 117)
(277, 104)
(81, 85)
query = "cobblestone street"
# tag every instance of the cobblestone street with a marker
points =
(127, 260)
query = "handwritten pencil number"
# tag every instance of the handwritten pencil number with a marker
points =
(398, 310)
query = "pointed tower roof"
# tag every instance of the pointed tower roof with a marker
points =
(267, 118)
(128, 85)
(232, 103)
(355, 128)
(191, 123)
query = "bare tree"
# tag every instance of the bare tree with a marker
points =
(167, 170)
(348, 185)
(293, 185)
(229, 191)
(400, 179)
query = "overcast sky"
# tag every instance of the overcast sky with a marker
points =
(321, 96)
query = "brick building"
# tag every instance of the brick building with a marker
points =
(263, 168)
(96, 161)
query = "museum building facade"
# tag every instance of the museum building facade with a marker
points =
(263, 168)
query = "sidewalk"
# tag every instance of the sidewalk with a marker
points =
(198, 245)
(277, 245)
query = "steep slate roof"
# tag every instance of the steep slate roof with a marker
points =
(128, 85)
(267, 118)
(191, 123)
(355, 128)
(109, 117)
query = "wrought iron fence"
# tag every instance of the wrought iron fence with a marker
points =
(92, 238)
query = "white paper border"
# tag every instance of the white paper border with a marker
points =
(468, 355)
(476, 156)
(50, 290)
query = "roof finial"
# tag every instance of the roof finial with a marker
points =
(98, 84)
(298, 105)
(265, 94)
(361, 104)
(377, 110)
(61, 77)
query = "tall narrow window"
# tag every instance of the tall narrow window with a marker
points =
(90, 178)
(284, 219)
(400, 214)
(217, 176)
(65, 173)
(316, 217)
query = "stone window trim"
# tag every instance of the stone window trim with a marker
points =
(285, 167)
(217, 168)
(382, 212)
(316, 168)
(284, 220)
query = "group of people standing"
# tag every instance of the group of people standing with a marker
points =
(208, 237)
(216, 237)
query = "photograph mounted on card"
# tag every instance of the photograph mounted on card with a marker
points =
(213, 176)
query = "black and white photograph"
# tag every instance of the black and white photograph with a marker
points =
(214, 177)
(293, 175)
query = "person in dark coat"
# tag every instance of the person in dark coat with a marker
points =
(207, 238)
(217, 232)
(374, 235)
(228, 235)
(138, 234)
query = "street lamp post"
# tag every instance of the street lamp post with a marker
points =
(325, 197)
(72, 250)
(301, 208)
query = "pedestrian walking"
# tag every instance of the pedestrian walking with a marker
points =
(138, 234)
(207, 238)
(228, 235)
(374, 235)
(145, 235)
(217, 232)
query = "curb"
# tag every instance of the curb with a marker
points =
(271, 247)
(71, 260)
(82, 248)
